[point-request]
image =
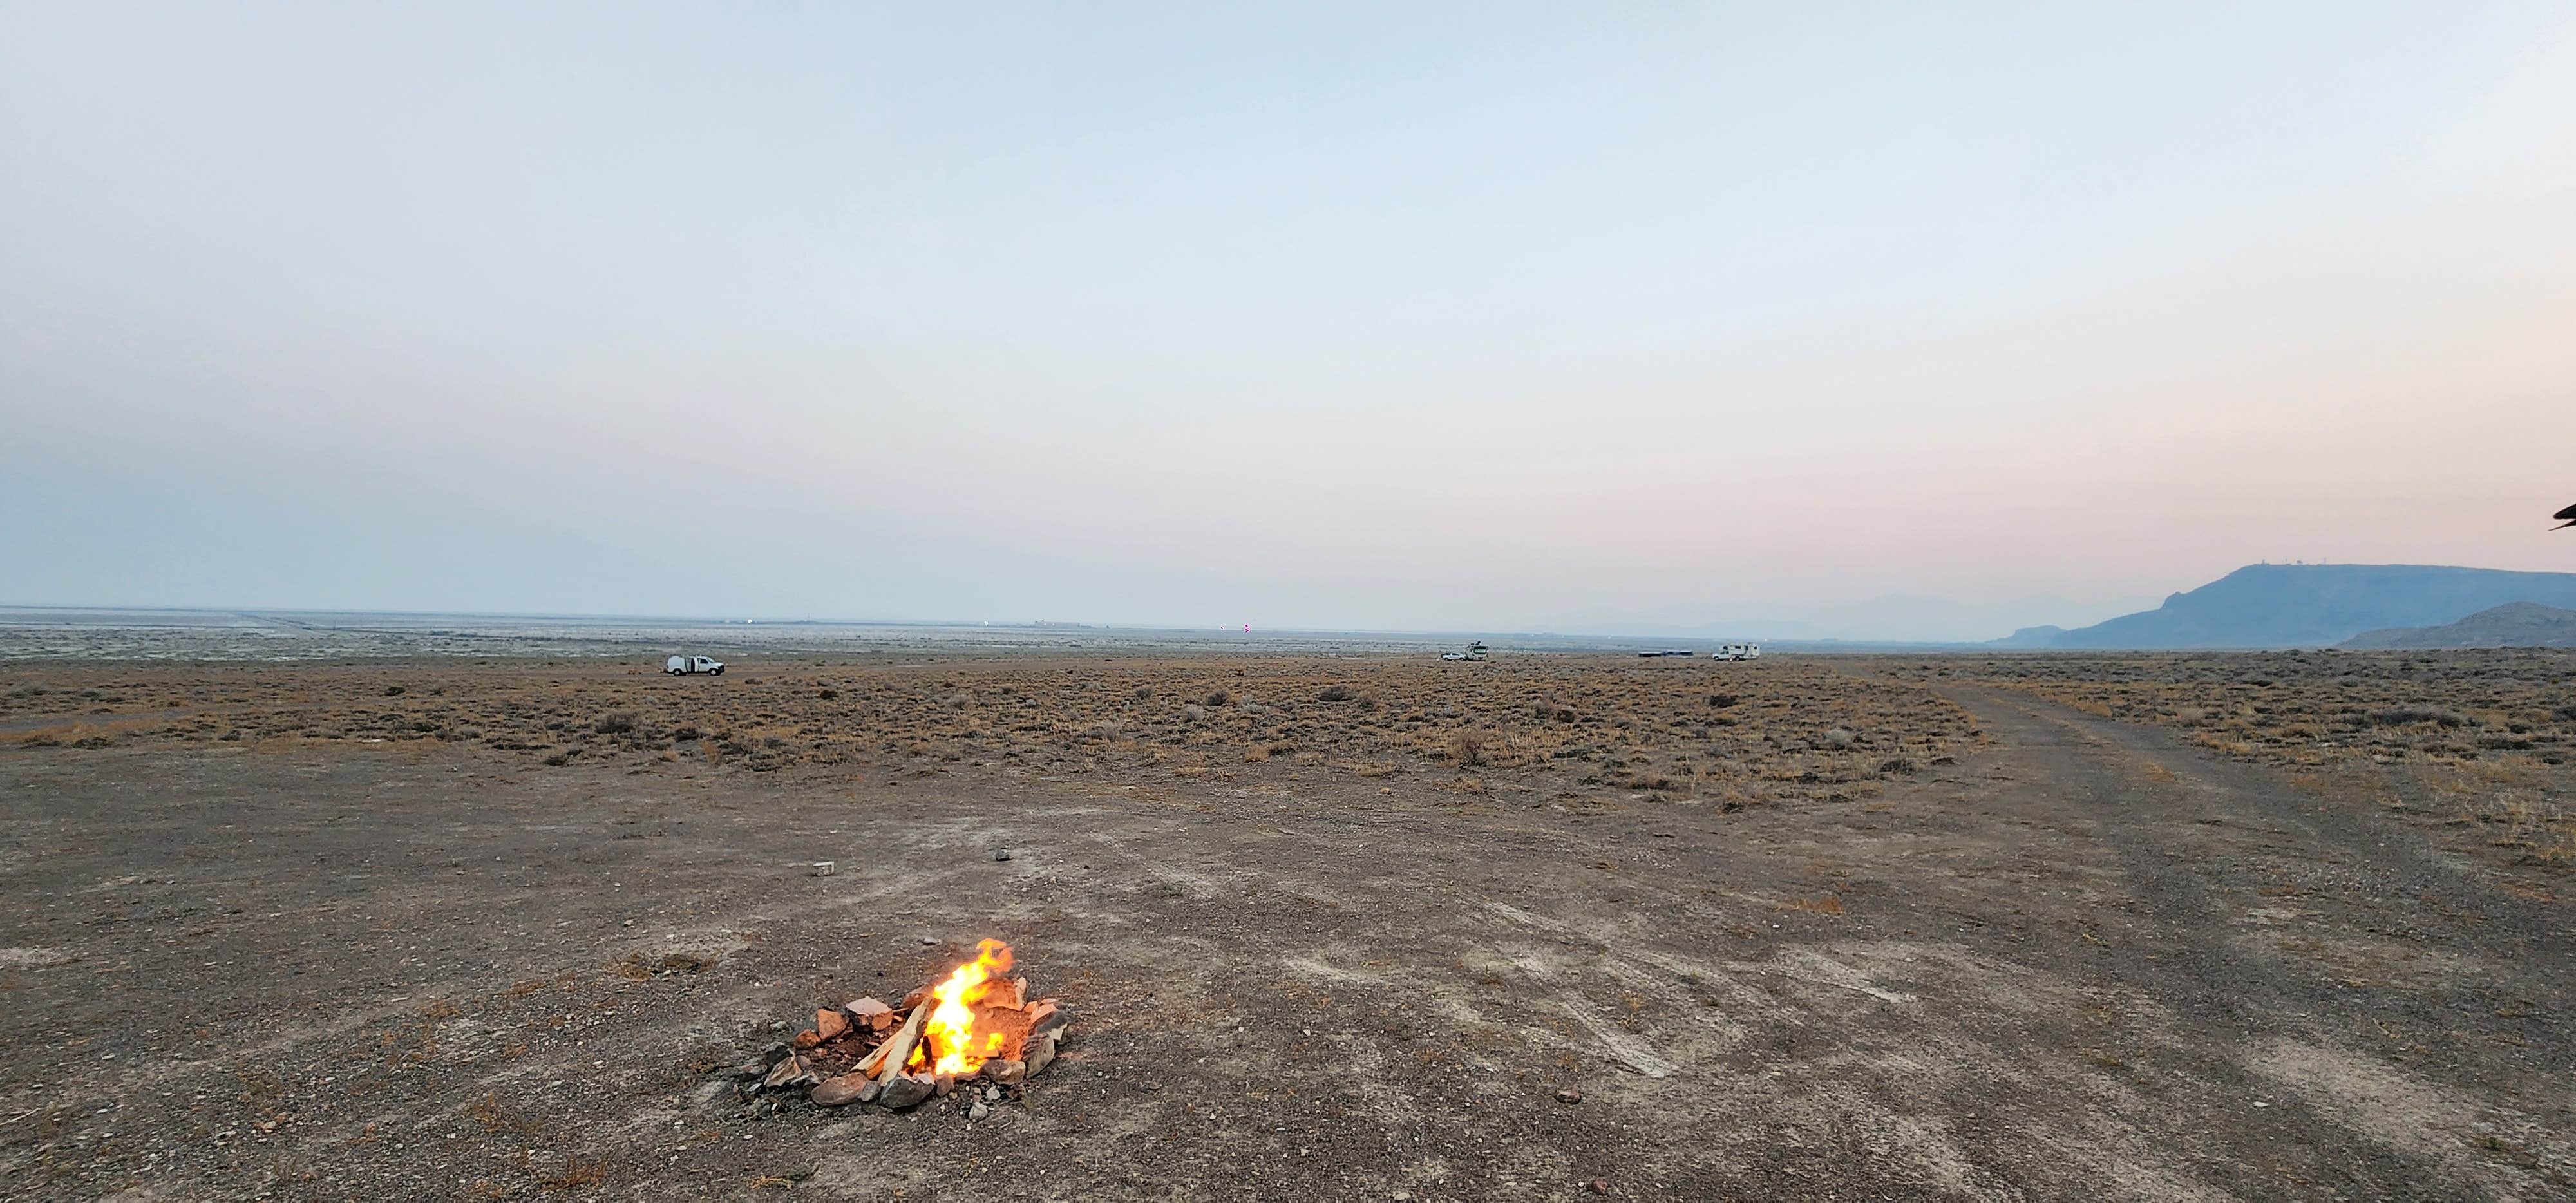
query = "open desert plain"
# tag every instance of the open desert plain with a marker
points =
(1424, 603)
(1327, 926)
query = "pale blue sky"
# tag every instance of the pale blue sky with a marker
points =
(1484, 317)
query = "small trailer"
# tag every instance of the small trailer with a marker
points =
(1737, 651)
(681, 666)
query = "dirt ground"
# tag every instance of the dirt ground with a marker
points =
(1855, 928)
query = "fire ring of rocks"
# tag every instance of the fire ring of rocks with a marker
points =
(978, 1025)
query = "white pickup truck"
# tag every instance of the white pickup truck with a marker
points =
(683, 665)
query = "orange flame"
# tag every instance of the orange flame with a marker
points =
(950, 1030)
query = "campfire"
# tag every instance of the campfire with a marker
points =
(978, 1023)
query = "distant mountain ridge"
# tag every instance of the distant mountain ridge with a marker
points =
(2513, 624)
(2310, 605)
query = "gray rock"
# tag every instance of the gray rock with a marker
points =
(1001, 854)
(904, 1090)
(1006, 1072)
(1569, 1096)
(1039, 1052)
(978, 1111)
(789, 1072)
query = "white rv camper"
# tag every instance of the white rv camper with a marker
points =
(1737, 651)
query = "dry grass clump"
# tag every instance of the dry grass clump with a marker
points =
(2420, 712)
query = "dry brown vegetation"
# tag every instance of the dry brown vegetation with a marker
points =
(1733, 735)
(2480, 739)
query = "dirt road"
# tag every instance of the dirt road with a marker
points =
(2086, 962)
(2405, 1020)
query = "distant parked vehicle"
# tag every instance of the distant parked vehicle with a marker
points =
(1475, 651)
(680, 666)
(1737, 651)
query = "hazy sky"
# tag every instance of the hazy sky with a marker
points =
(1474, 317)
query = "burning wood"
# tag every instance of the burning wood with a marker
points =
(976, 1023)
